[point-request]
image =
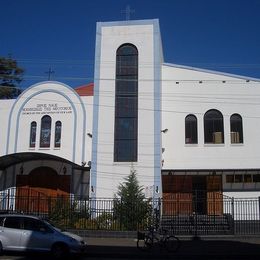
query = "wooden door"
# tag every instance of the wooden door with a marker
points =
(177, 194)
(34, 190)
(214, 195)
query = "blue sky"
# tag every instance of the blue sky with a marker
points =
(222, 35)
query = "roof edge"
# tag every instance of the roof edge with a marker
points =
(129, 22)
(210, 71)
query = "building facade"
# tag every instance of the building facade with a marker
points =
(186, 132)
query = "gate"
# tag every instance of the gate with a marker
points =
(33, 191)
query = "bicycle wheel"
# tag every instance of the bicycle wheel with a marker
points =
(172, 244)
(146, 244)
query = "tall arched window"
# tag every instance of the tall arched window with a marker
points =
(191, 134)
(213, 127)
(57, 134)
(45, 131)
(33, 134)
(126, 104)
(236, 129)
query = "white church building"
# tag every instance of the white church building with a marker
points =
(183, 130)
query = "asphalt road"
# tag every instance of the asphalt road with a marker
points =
(120, 248)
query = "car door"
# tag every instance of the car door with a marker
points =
(36, 235)
(11, 233)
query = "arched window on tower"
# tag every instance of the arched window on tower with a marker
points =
(45, 137)
(236, 129)
(33, 134)
(213, 127)
(191, 134)
(57, 134)
(126, 104)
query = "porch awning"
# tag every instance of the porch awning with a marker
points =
(12, 159)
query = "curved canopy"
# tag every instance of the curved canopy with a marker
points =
(12, 159)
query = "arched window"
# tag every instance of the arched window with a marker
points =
(126, 104)
(57, 134)
(213, 127)
(45, 131)
(191, 134)
(236, 129)
(33, 134)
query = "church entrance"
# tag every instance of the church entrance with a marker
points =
(192, 194)
(34, 191)
(199, 194)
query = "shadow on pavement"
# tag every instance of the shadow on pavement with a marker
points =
(192, 249)
(34, 255)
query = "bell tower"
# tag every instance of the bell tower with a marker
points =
(127, 106)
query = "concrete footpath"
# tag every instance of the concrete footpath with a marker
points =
(198, 248)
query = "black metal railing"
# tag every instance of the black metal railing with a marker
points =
(183, 214)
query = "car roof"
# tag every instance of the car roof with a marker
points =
(18, 215)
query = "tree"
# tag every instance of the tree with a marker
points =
(131, 208)
(10, 78)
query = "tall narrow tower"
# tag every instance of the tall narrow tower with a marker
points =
(127, 106)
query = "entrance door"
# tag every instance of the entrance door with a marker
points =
(214, 195)
(34, 190)
(199, 194)
(177, 194)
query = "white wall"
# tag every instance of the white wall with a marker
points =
(88, 104)
(235, 95)
(5, 108)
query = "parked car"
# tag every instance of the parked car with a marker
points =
(29, 233)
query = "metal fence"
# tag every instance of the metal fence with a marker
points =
(183, 215)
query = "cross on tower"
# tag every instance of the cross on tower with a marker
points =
(49, 72)
(127, 12)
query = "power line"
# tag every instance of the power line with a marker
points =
(176, 81)
(225, 99)
(92, 61)
(153, 110)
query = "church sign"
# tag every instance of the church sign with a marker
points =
(43, 109)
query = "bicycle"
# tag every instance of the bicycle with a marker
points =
(147, 240)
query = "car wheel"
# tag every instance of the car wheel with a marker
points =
(59, 251)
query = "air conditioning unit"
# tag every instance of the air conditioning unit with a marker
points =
(234, 137)
(217, 138)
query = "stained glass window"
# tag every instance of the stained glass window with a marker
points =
(126, 104)
(45, 131)
(57, 134)
(33, 134)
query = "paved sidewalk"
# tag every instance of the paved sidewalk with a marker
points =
(206, 248)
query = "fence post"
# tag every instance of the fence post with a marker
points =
(159, 208)
(259, 208)
(195, 215)
(39, 203)
(232, 205)
(8, 199)
(120, 219)
(233, 215)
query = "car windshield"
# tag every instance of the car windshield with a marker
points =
(51, 225)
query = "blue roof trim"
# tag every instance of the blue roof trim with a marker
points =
(157, 73)
(129, 22)
(94, 155)
(210, 71)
